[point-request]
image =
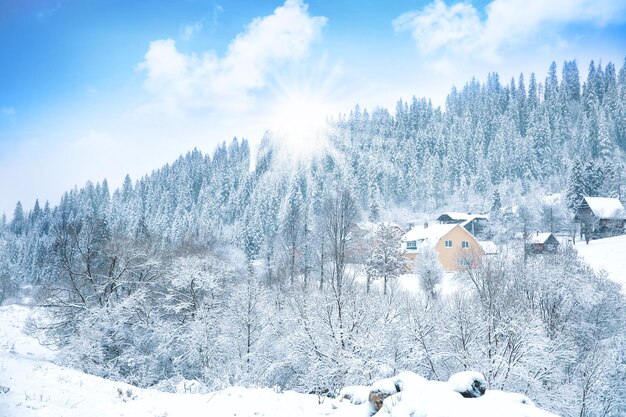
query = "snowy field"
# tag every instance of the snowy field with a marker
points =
(409, 282)
(607, 254)
(37, 387)
(32, 385)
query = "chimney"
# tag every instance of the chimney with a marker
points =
(537, 232)
(425, 225)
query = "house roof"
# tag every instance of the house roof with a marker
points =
(463, 218)
(539, 237)
(472, 217)
(457, 216)
(606, 208)
(488, 247)
(432, 233)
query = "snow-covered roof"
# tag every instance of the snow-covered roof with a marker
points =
(539, 237)
(462, 218)
(472, 217)
(455, 215)
(606, 208)
(488, 247)
(432, 233)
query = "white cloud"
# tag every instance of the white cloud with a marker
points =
(187, 32)
(508, 23)
(202, 96)
(438, 26)
(178, 82)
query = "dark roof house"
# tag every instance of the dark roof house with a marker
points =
(600, 217)
(541, 243)
(476, 224)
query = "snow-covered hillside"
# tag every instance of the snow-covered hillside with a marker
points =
(37, 387)
(607, 254)
(32, 385)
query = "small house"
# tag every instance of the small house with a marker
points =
(541, 243)
(456, 248)
(600, 217)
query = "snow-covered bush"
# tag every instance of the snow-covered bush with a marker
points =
(429, 270)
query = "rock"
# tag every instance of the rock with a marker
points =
(388, 390)
(381, 390)
(389, 403)
(463, 395)
(356, 394)
(469, 384)
(408, 380)
(388, 385)
(376, 399)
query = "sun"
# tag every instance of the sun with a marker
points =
(300, 116)
(299, 113)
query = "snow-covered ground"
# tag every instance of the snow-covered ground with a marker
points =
(607, 254)
(409, 282)
(31, 385)
(38, 387)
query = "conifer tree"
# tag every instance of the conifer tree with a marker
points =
(552, 84)
(570, 82)
(291, 218)
(18, 223)
(374, 203)
(576, 189)
(496, 204)
(35, 215)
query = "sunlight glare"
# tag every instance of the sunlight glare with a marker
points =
(299, 119)
(300, 111)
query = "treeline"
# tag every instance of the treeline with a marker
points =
(217, 259)
(542, 138)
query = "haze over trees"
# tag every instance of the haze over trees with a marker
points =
(232, 271)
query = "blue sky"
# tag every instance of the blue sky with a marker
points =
(101, 88)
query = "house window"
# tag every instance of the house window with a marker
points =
(448, 243)
(411, 244)
(465, 244)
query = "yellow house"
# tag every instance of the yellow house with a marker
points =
(456, 248)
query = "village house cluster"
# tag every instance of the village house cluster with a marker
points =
(462, 240)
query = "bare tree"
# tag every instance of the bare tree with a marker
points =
(291, 220)
(339, 215)
(94, 271)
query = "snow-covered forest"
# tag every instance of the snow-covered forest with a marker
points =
(234, 271)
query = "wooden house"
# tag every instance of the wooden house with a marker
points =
(456, 248)
(600, 217)
(541, 243)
